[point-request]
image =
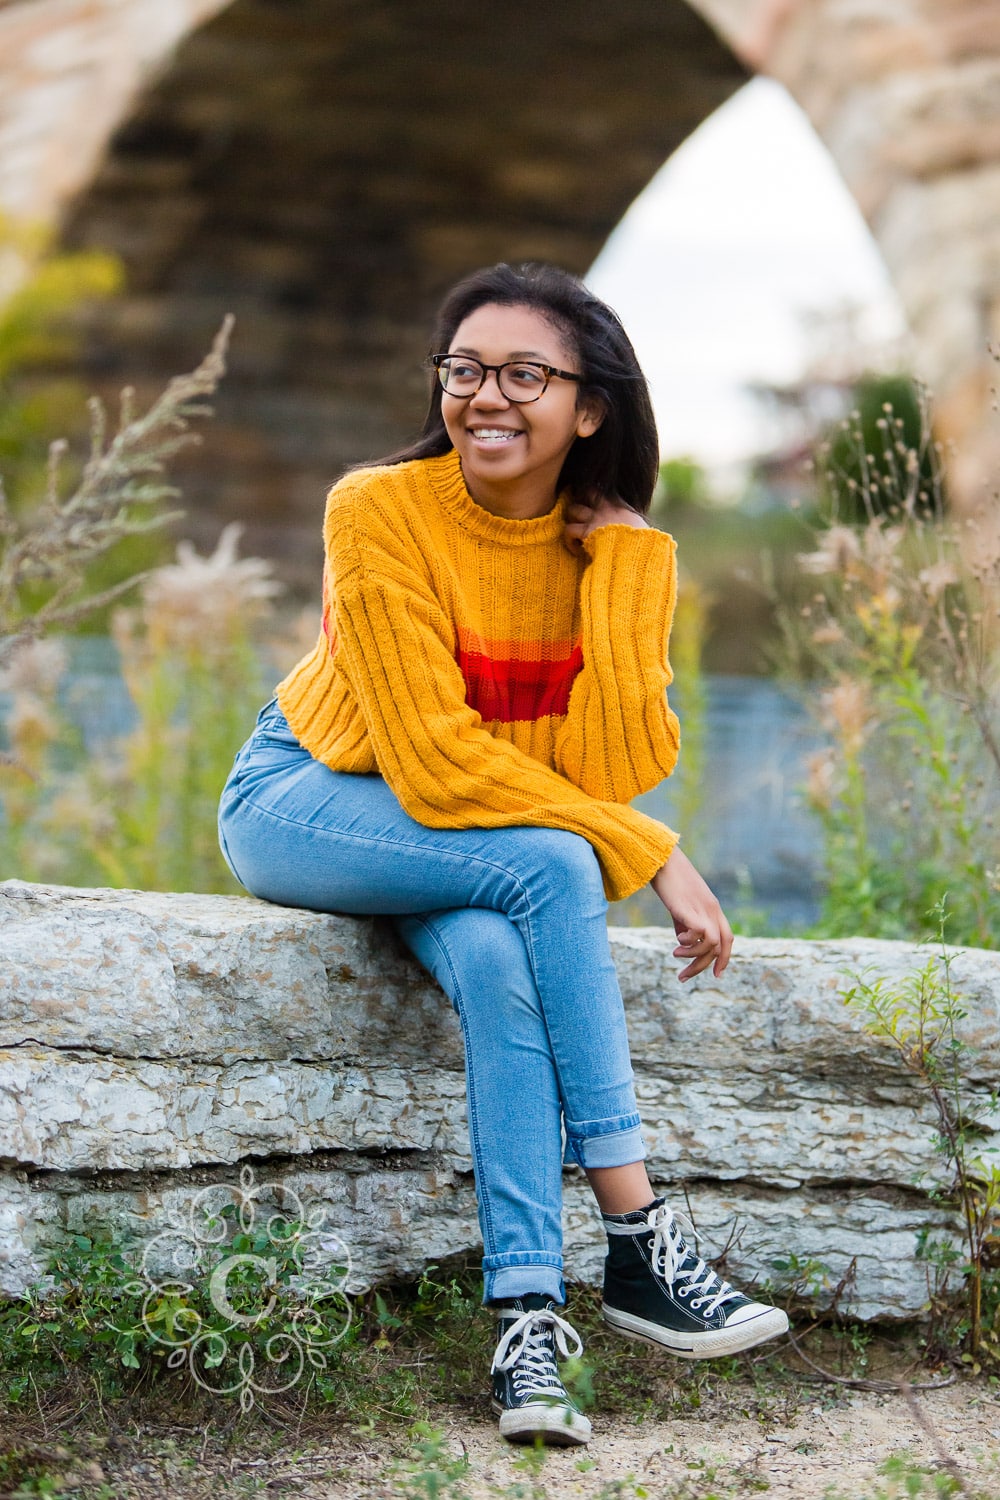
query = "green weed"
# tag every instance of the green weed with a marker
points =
(906, 1480)
(921, 1018)
(433, 1473)
(144, 814)
(251, 1301)
(36, 333)
(48, 548)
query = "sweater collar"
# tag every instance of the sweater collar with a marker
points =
(448, 484)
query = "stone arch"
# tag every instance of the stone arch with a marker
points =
(906, 96)
(324, 168)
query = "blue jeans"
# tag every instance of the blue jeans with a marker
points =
(511, 922)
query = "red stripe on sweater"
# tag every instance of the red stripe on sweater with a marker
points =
(506, 688)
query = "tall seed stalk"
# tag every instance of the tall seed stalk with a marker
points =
(906, 613)
(48, 547)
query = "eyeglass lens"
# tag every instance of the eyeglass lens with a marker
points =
(462, 376)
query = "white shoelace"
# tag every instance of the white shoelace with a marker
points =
(670, 1251)
(526, 1347)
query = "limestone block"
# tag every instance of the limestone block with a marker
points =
(780, 1004)
(96, 1114)
(152, 1044)
(396, 1221)
(213, 979)
(88, 1114)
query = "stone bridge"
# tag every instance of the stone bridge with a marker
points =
(324, 167)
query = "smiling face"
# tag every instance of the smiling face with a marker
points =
(512, 452)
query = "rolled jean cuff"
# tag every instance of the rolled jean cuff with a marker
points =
(604, 1143)
(520, 1272)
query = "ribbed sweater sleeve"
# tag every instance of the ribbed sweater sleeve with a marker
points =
(620, 736)
(395, 647)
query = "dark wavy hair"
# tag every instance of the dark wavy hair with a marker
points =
(621, 458)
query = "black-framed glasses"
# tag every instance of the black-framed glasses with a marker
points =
(518, 379)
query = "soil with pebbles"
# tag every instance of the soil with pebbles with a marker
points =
(840, 1446)
(832, 1442)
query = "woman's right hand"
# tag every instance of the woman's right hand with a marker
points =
(703, 934)
(582, 518)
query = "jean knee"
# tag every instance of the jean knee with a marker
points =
(476, 955)
(571, 867)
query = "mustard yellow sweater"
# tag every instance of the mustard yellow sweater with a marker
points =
(490, 676)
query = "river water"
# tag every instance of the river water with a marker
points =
(753, 837)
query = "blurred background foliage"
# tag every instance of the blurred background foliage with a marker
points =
(863, 457)
(837, 569)
(138, 811)
(899, 641)
(841, 572)
(80, 520)
(37, 339)
(40, 333)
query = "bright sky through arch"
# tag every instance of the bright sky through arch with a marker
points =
(746, 226)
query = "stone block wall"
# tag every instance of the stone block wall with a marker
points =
(151, 1045)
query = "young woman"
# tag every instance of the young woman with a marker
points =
(486, 696)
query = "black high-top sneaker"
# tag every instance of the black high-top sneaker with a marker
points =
(527, 1392)
(659, 1290)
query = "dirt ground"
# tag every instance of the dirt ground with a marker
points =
(840, 1446)
(834, 1442)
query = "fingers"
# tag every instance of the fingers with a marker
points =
(698, 964)
(701, 954)
(725, 949)
(579, 512)
(581, 517)
(573, 536)
(711, 947)
(578, 518)
(703, 934)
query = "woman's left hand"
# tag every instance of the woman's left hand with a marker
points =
(704, 936)
(582, 519)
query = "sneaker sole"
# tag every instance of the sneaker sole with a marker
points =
(709, 1345)
(527, 1423)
